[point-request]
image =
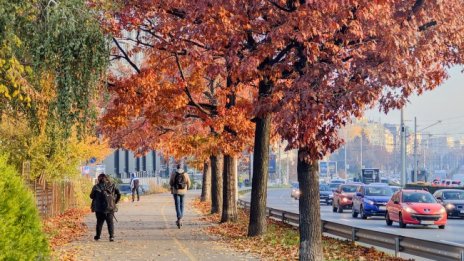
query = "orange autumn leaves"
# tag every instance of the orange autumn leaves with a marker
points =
(327, 61)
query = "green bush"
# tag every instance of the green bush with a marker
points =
(20, 225)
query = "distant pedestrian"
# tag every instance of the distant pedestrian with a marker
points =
(180, 183)
(134, 184)
(105, 195)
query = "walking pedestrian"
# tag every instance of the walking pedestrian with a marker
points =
(105, 195)
(134, 184)
(180, 183)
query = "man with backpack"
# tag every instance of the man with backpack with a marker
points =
(105, 195)
(134, 184)
(179, 182)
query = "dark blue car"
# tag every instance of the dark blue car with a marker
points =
(371, 200)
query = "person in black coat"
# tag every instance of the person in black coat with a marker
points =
(105, 195)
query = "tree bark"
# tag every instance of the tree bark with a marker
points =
(229, 209)
(310, 214)
(206, 186)
(257, 225)
(216, 183)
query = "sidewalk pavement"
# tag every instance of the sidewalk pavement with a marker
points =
(146, 230)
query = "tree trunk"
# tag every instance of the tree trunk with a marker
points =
(310, 214)
(216, 183)
(257, 225)
(206, 186)
(229, 209)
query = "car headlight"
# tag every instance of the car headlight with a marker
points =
(450, 206)
(331, 195)
(345, 199)
(297, 192)
(409, 209)
(442, 210)
(370, 202)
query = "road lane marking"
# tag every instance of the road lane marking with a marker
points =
(453, 243)
(182, 248)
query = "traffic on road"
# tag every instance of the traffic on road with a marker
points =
(280, 199)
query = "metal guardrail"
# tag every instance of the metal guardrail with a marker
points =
(400, 244)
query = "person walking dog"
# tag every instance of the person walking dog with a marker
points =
(105, 195)
(180, 183)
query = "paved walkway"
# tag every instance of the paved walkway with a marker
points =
(146, 230)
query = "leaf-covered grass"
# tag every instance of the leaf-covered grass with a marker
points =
(63, 229)
(281, 241)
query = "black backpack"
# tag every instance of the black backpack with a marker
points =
(110, 198)
(179, 181)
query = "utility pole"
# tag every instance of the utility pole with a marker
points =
(415, 151)
(403, 150)
(346, 144)
(362, 131)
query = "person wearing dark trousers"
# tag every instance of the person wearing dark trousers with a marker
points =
(134, 184)
(180, 183)
(105, 195)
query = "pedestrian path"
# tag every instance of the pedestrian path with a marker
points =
(146, 230)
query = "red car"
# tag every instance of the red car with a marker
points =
(417, 207)
(342, 197)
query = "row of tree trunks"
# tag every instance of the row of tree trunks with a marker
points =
(310, 214)
(229, 210)
(206, 186)
(216, 183)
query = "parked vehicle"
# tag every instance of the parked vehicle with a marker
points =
(371, 200)
(452, 200)
(416, 207)
(325, 194)
(334, 186)
(338, 181)
(343, 195)
(125, 189)
(295, 191)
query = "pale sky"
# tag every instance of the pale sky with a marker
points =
(445, 103)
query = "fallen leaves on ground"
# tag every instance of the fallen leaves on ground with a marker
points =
(65, 228)
(281, 241)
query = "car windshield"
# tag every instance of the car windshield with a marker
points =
(334, 185)
(349, 189)
(453, 195)
(379, 191)
(394, 189)
(324, 188)
(418, 197)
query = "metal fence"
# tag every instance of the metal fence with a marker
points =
(399, 244)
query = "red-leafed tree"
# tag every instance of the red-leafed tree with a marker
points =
(315, 65)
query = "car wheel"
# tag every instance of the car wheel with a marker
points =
(400, 221)
(354, 213)
(361, 212)
(441, 227)
(340, 208)
(388, 220)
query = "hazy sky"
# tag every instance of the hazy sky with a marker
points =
(445, 103)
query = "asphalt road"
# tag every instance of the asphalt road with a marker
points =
(452, 234)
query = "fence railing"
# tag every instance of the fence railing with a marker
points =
(54, 198)
(399, 244)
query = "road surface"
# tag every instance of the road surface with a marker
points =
(452, 234)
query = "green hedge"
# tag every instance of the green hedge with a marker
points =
(21, 235)
(431, 189)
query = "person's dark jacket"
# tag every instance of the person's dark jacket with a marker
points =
(98, 198)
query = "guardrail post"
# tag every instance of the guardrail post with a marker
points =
(462, 255)
(353, 234)
(284, 219)
(397, 247)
